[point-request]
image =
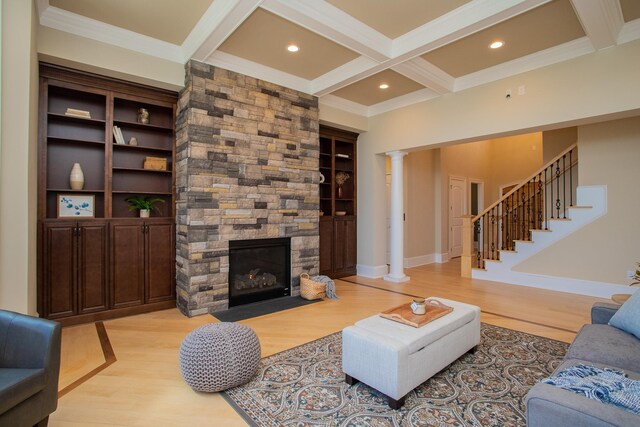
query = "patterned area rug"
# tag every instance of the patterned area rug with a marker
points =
(305, 386)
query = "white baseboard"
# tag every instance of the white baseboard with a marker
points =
(441, 258)
(419, 260)
(561, 284)
(372, 271)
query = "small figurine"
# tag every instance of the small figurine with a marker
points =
(143, 116)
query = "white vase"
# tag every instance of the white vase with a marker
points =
(76, 178)
(144, 213)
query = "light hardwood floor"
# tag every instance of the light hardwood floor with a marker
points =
(143, 386)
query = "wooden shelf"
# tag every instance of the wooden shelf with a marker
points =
(142, 148)
(75, 119)
(66, 190)
(137, 125)
(119, 169)
(61, 140)
(158, 193)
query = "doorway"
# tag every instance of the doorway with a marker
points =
(476, 206)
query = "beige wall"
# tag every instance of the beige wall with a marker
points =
(556, 141)
(18, 157)
(609, 154)
(607, 86)
(420, 209)
(513, 159)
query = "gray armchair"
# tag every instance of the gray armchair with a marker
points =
(29, 369)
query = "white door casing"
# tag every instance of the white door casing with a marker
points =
(457, 208)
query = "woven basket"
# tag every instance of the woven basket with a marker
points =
(310, 289)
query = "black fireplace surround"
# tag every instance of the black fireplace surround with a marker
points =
(259, 269)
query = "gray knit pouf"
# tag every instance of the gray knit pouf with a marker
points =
(219, 356)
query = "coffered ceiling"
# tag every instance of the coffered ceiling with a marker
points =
(421, 49)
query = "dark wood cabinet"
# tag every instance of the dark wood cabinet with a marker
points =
(105, 262)
(75, 274)
(338, 202)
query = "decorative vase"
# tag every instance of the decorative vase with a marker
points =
(143, 116)
(144, 213)
(76, 178)
(339, 191)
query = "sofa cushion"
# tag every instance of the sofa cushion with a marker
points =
(607, 345)
(552, 406)
(17, 385)
(627, 318)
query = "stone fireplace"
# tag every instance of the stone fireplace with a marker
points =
(259, 269)
(247, 169)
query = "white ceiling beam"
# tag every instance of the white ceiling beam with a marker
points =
(82, 26)
(344, 105)
(323, 85)
(459, 23)
(259, 71)
(427, 74)
(219, 21)
(630, 32)
(334, 24)
(602, 20)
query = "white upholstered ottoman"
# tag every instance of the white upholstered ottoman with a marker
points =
(395, 358)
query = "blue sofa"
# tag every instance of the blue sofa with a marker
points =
(600, 345)
(29, 369)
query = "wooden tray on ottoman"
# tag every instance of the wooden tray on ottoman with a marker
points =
(403, 313)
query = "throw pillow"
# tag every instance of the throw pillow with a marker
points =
(627, 318)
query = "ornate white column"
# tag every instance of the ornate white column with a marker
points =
(396, 238)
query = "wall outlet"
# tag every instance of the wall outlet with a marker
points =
(521, 90)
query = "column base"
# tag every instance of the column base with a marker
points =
(397, 279)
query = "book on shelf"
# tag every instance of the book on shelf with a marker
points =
(117, 135)
(78, 113)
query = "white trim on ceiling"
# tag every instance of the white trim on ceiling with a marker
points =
(601, 21)
(553, 55)
(402, 101)
(327, 82)
(426, 74)
(344, 105)
(82, 26)
(259, 71)
(461, 22)
(334, 24)
(630, 32)
(219, 21)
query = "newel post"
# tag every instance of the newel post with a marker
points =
(467, 245)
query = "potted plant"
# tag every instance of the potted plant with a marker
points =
(144, 204)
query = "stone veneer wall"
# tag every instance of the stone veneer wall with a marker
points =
(247, 168)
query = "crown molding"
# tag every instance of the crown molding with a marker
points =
(334, 24)
(461, 22)
(402, 101)
(258, 71)
(344, 105)
(553, 55)
(426, 74)
(601, 21)
(219, 21)
(82, 26)
(630, 32)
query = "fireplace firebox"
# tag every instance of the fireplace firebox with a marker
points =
(259, 269)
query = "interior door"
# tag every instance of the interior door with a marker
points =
(457, 208)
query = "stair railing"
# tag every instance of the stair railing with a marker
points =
(542, 197)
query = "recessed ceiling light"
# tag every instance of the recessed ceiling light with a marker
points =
(496, 44)
(384, 86)
(293, 48)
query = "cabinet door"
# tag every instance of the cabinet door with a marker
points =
(344, 246)
(127, 264)
(59, 275)
(160, 262)
(326, 246)
(92, 267)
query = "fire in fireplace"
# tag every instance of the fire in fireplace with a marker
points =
(259, 270)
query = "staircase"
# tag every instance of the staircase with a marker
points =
(543, 209)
